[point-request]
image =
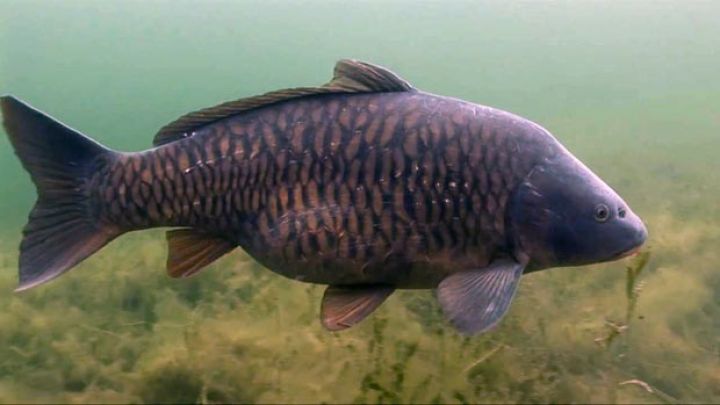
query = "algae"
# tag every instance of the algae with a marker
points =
(631, 88)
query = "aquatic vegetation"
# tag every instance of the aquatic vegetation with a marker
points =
(630, 88)
(119, 330)
(633, 287)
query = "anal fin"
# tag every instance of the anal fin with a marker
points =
(189, 251)
(345, 306)
(475, 300)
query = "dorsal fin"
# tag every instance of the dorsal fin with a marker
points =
(350, 76)
(354, 76)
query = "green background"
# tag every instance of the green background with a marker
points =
(630, 87)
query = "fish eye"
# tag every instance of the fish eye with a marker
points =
(602, 212)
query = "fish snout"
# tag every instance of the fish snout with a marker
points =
(641, 234)
(637, 234)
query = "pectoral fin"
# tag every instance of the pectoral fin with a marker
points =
(343, 307)
(475, 300)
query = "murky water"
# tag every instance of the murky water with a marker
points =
(632, 88)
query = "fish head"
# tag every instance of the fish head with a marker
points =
(562, 214)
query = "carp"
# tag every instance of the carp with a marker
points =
(364, 184)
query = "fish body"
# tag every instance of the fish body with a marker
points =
(365, 184)
(397, 188)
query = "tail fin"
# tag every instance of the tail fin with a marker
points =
(60, 232)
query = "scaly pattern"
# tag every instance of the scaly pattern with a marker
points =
(338, 188)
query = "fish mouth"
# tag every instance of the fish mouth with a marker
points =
(630, 252)
(635, 249)
(638, 241)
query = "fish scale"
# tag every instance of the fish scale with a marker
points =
(378, 181)
(365, 184)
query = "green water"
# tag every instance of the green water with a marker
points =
(632, 88)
